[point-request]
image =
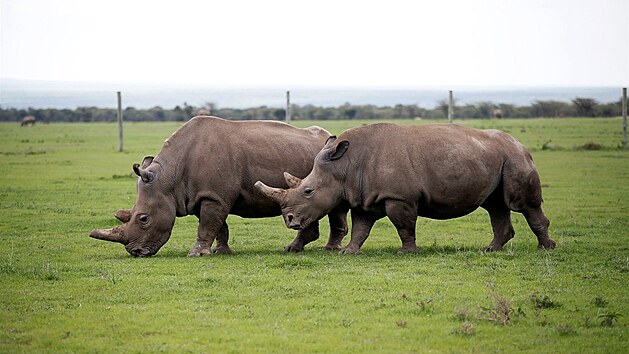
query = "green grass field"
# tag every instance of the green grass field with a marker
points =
(61, 291)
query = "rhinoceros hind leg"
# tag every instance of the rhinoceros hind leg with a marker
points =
(303, 238)
(222, 246)
(538, 222)
(524, 195)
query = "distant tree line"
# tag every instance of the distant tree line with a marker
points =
(578, 107)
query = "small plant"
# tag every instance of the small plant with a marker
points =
(586, 322)
(499, 312)
(519, 312)
(565, 329)
(346, 323)
(425, 306)
(123, 176)
(608, 319)
(461, 315)
(590, 146)
(47, 272)
(401, 323)
(544, 321)
(543, 302)
(599, 301)
(551, 147)
(466, 329)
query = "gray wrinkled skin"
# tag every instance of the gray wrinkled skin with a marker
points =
(208, 168)
(439, 171)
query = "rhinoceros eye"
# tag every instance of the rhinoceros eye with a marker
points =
(144, 218)
(308, 191)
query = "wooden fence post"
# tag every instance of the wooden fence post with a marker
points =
(119, 114)
(450, 107)
(288, 112)
(624, 118)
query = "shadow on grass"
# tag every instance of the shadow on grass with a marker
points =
(382, 252)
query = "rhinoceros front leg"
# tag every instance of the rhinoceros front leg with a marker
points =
(338, 228)
(362, 222)
(211, 220)
(500, 217)
(304, 237)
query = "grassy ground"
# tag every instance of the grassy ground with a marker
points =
(61, 291)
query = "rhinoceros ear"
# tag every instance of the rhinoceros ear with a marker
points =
(336, 152)
(292, 181)
(147, 161)
(123, 215)
(147, 176)
(274, 194)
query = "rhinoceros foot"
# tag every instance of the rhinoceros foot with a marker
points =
(223, 249)
(408, 249)
(332, 247)
(547, 244)
(197, 251)
(492, 248)
(350, 250)
(294, 247)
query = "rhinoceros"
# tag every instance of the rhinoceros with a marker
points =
(208, 168)
(439, 171)
(28, 120)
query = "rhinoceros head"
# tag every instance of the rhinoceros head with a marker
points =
(308, 200)
(147, 226)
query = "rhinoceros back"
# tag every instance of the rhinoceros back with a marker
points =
(448, 170)
(213, 158)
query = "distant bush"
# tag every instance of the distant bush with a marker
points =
(590, 146)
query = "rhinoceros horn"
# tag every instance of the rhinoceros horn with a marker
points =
(292, 181)
(114, 235)
(274, 194)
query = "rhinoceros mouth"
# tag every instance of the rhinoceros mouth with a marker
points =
(293, 222)
(296, 227)
(140, 251)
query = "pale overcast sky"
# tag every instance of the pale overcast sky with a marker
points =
(323, 42)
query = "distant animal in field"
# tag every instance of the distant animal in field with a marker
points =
(203, 112)
(497, 113)
(208, 168)
(28, 120)
(439, 171)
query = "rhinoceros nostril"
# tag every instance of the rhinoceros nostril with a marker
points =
(292, 222)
